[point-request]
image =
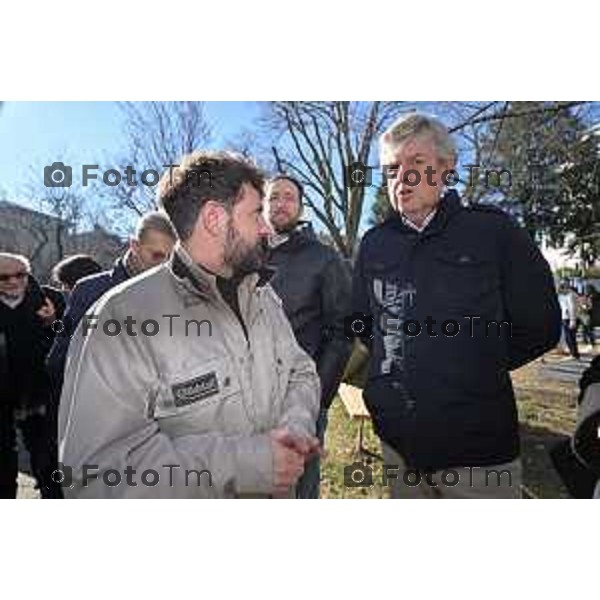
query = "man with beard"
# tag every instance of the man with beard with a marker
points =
(221, 402)
(315, 288)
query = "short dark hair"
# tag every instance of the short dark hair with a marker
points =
(73, 268)
(283, 176)
(155, 221)
(227, 172)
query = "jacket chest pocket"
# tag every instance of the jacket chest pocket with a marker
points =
(462, 280)
(201, 398)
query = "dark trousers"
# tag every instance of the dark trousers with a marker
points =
(571, 339)
(588, 333)
(309, 484)
(40, 442)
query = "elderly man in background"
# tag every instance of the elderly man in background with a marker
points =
(26, 315)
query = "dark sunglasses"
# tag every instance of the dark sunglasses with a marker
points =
(9, 276)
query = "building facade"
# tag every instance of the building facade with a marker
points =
(45, 239)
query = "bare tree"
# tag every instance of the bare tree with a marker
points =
(318, 143)
(65, 203)
(157, 134)
(481, 130)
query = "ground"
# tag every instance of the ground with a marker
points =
(546, 394)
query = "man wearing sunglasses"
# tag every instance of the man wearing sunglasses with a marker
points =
(25, 318)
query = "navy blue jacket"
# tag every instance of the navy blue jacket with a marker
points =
(84, 295)
(444, 398)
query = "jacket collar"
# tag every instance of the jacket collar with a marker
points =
(449, 205)
(119, 271)
(202, 282)
(302, 234)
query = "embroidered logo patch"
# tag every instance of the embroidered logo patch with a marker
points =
(196, 389)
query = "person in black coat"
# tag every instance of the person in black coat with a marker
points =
(26, 315)
(71, 269)
(315, 287)
(449, 299)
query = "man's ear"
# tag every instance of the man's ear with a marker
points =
(134, 245)
(214, 218)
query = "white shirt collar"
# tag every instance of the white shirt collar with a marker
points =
(423, 226)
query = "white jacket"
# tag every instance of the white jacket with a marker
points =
(201, 402)
(568, 307)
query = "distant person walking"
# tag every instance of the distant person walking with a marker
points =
(585, 306)
(568, 307)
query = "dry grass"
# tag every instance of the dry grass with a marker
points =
(546, 411)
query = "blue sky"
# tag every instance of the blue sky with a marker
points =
(34, 134)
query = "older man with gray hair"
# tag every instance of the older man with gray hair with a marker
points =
(459, 297)
(25, 317)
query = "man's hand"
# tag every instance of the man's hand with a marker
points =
(47, 313)
(306, 446)
(288, 464)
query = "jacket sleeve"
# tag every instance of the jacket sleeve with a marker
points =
(360, 291)
(300, 404)
(78, 303)
(106, 423)
(335, 349)
(530, 299)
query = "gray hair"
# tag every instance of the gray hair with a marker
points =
(414, 125)
(155, 221)
(18, 258)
